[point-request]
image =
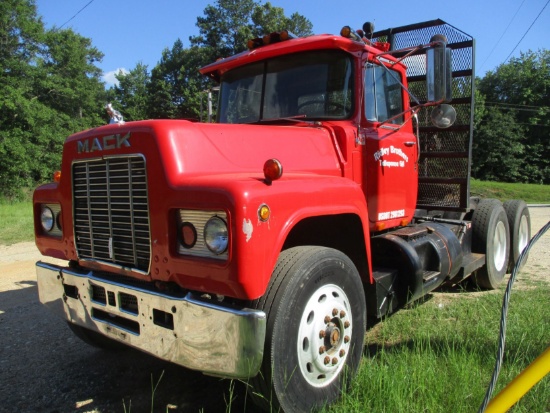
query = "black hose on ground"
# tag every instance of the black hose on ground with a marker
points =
(504, 314)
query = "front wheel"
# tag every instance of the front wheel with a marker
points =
(316, 317)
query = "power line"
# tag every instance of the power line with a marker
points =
(522, 37)
(78, 12)
(502, 35)
(517, 107)
(512, 108)
(516, 104)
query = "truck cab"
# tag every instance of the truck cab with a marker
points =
(255, 247)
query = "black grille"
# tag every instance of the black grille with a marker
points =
(98, 294)
(111, 212)
(128, 303)
(444, 169)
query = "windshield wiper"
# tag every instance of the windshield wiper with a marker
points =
(295, 118)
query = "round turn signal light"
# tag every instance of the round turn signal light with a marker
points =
(273, 170)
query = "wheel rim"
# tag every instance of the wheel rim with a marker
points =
(324, 335)
(499, 246)
(523, 234)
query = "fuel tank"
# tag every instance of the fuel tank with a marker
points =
(412, 261)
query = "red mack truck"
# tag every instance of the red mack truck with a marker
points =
(334, 185)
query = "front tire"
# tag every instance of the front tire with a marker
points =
(491, 236)
(316, 317)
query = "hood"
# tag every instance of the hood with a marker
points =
(185, 149)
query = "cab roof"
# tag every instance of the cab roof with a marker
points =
(318, 42)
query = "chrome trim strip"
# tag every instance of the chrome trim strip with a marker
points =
(217, 340)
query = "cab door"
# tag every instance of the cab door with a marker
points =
(391, 149)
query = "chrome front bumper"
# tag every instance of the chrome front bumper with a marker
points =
(215, 339)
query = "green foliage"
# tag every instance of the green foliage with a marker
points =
(176, 85)
(512, 131)
(131, 93)
(498, 148)
(50, 89)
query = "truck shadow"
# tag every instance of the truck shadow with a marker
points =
(45, 368)
(134, 381)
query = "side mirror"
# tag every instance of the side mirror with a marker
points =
(443, 116)
(438, 70)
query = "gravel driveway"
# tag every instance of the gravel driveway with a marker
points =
(44, 368)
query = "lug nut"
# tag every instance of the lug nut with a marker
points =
(335, 312)
(322, 349)
(334, 360)
(342, 314)
(327, 319)
(327, 360)
(346, 339)
(342, 353)
(346, 324)
(322, 334)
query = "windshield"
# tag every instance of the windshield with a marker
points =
(314, 85)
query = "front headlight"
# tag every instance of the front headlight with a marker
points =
(47, 219)
(215, 235)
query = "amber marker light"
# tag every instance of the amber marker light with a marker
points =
(379, 226)
(264, 213)
(57, 176)
(273, 170)
(346, 31)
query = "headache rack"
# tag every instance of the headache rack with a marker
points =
(445, 154)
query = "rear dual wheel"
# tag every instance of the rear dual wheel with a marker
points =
(316, 317)
(491, 236)
(519, 221)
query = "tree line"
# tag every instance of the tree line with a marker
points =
(52, 87)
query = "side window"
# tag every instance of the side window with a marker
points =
(383, 95)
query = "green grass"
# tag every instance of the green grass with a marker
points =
(16, 222)
(530, 193)
(439, 356)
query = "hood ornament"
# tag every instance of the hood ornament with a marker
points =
(114, 115)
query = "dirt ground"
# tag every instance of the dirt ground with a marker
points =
(44, 368)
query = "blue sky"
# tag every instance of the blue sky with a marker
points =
(133, 31)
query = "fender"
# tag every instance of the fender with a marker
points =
(255, 245)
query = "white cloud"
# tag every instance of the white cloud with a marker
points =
(110, 78)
